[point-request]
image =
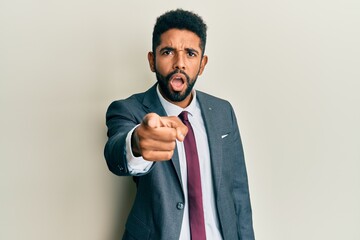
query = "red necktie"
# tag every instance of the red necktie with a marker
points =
(196, 211)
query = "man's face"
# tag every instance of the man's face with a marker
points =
(177, 63)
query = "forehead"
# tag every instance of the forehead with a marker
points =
(180, 39)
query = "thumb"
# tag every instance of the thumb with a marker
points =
(181, 132)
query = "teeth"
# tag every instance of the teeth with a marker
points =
(178, 78)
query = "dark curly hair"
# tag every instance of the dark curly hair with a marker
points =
(179, 19)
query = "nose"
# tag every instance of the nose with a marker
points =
(179, 61)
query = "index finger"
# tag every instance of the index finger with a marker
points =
(152, 120)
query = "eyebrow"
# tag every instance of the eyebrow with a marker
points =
(172, 49)
(192, 50)
(166, 49)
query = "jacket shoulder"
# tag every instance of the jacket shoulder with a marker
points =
(205, 98)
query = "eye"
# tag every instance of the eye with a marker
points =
(191, 54)
(166, 52)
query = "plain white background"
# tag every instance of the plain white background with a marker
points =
(289, 68)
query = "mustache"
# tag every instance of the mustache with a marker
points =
(176, 72)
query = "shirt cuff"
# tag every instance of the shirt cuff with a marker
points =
(136, 165)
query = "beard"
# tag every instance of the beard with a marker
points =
(168, 92)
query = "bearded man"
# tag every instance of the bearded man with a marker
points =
(181, 146)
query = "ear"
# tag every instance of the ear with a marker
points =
(151, 59)
(203, 63)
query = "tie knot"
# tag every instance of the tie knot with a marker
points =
(184, 116)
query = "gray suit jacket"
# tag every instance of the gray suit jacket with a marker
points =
(158, 208)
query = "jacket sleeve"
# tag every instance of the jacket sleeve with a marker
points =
(119, 120)
(241, 189)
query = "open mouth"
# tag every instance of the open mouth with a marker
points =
(177, 82)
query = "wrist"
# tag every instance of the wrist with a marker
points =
(135, 144)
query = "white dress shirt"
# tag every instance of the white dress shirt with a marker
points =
(139, 165)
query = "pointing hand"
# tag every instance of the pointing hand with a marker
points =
(155, 138)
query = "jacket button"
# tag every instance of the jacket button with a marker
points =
(180, 206)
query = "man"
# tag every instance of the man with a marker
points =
(182, 146)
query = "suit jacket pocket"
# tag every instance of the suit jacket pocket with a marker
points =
(227, 141)
(137, 229)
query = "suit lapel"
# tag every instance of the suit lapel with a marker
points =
(152, 103)
(212, 121)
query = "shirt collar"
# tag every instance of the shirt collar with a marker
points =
(174, 110)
